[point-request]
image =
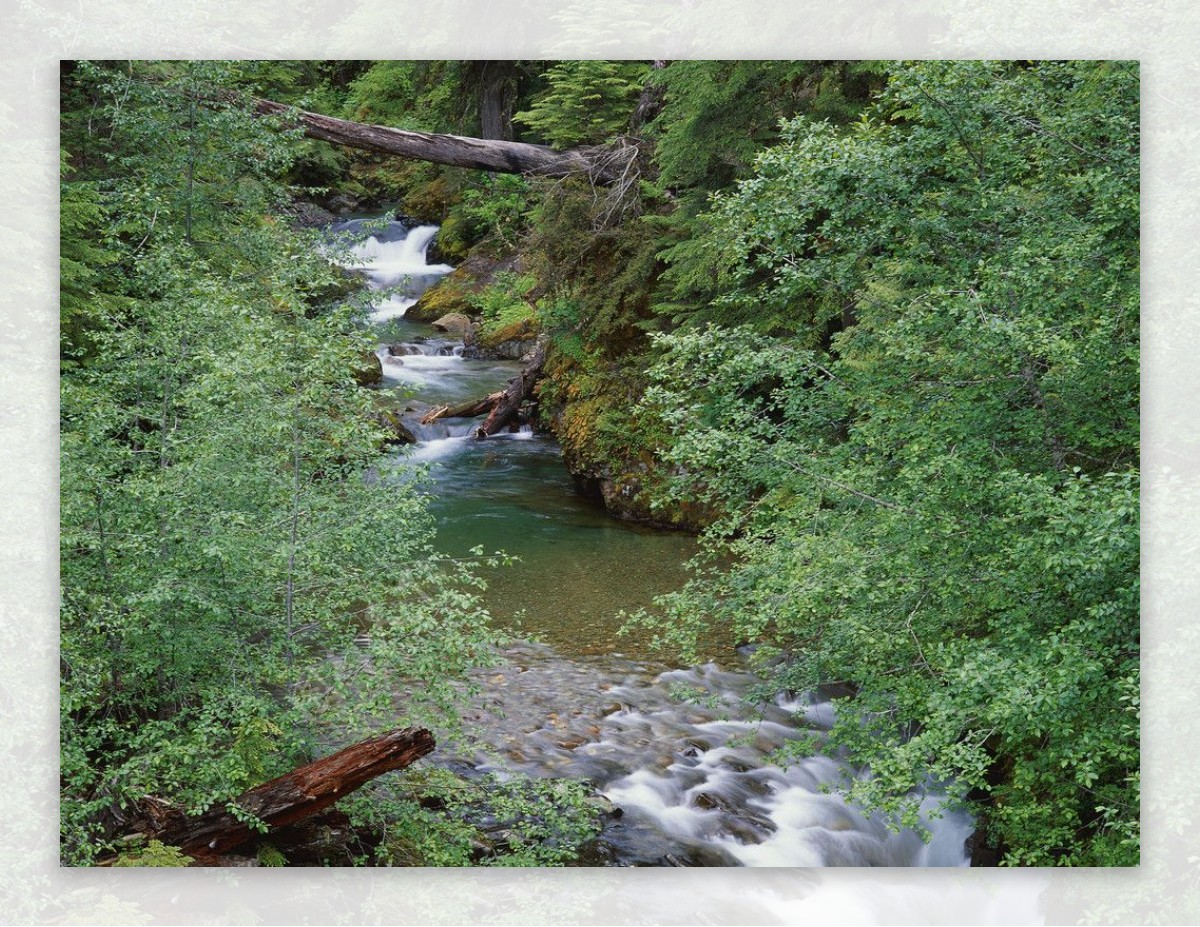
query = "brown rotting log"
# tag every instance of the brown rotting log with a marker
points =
(468, 409)
(292, 797)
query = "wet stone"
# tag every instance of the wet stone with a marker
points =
(711, 801)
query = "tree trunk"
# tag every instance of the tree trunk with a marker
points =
(650, 102)
(599, 164)
(496, 81)
(292, 797)
(518, 390)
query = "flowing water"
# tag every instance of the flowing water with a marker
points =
(679, 751)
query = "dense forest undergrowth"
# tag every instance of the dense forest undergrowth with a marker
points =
(870, 328)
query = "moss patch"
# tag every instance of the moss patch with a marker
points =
(521, 330)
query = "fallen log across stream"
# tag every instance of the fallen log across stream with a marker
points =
(602, 165)
(520, 389)
(469, 409)
(292, 797)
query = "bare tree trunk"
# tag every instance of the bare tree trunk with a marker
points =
(502, 157)
(650, 103)
(496, 81)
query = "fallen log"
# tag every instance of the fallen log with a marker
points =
(600, 164)
(468, 409)
(517, 392)
(292, 797)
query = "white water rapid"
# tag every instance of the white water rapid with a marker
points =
(393, 259)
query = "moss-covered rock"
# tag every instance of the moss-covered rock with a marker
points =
(521, 331)
(454, 291)
(624, 487)
(611, 455)
(395, 431)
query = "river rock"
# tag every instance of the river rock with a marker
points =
(712, 802)
(604, 807)
(306, 215)
(455, 323)
(396, 432)
(343, 203)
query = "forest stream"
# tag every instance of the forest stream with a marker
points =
(690, 776)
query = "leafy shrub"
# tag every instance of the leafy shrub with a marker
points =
(437, 818)
(919, 412)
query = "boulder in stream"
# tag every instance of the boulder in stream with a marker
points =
(455, 323)
(395, 431)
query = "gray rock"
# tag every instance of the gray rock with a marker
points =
(344, 203)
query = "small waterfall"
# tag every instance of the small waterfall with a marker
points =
(420, 364)
(393, 258)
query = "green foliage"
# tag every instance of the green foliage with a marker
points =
(716, 119)
(918, 408)
(717, 115)
(240, 568)
(903, 364)
(154, 854)
(495, 211)
(489, 211)
(436, 818)
(608, 267)
(606, 272)
(416, 95)
(585, 102)
(84, 261)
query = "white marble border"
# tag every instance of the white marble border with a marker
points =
(1162, 34)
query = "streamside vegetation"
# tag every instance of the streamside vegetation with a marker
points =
(870, 328)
